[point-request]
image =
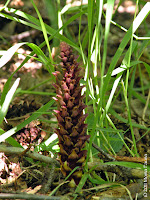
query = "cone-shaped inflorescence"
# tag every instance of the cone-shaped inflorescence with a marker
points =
(71, 127)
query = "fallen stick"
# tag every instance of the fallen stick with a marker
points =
(108, 156)
(31, 154)
(27, 196)
(133, 159)
(120, 170)
(117, 169)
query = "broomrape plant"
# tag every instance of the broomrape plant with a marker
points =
(72, 129)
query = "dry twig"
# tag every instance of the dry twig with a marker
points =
(31, 154)
(27, 196)
(108, 156)
(120, 170)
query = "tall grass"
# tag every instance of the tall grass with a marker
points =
(103, 83)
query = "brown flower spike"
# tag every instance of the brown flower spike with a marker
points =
(71, 127)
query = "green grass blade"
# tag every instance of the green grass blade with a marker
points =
(11, 140)
(44, 33)
(7, 2)
(82, 182)
(8, 98)
(37, 25)
(46, 61)
(34, 116)
(126, 121)
(109, 12)
(136, 23)
(4, 15)
(129, 164)
(9, 53)
(35, 92)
